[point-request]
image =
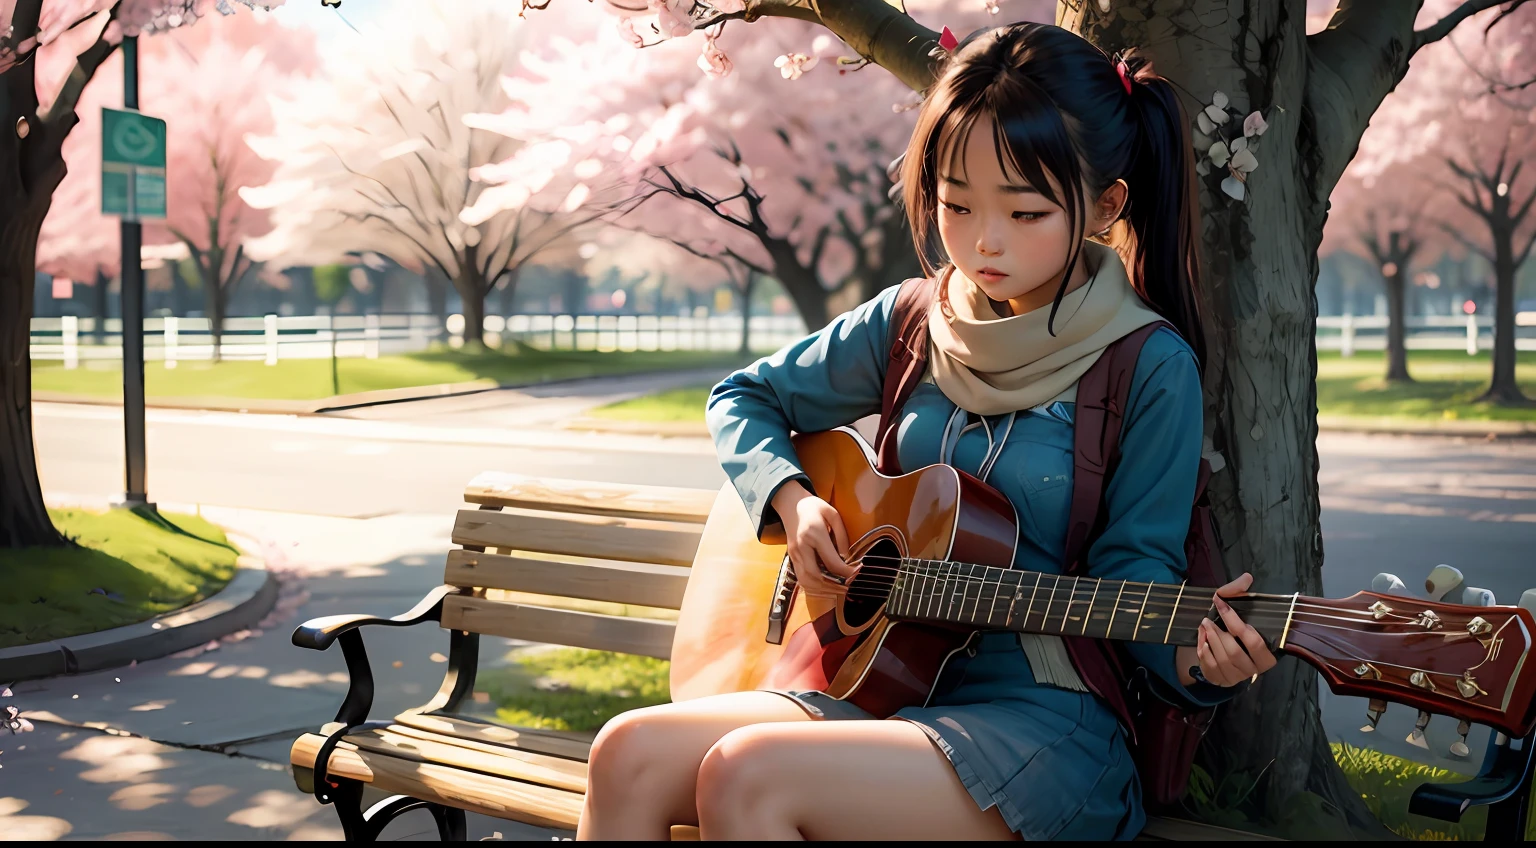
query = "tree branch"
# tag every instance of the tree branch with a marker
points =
(878, 31)
(1441, 28)
(60, 115)
(1455, 233)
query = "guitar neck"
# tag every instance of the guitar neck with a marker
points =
(990, 598)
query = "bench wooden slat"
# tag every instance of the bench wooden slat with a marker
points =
(416, 745)
(543, 806)
(643, 636)
(641, 583)
(551, 742)
(494, 488)
(599, 537)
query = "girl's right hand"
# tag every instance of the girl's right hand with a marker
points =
(818, 542)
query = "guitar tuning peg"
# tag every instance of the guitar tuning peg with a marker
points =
(1416, 736)
(1373, 712)
(1388, 584)
(1475, 597)
(1528, 601)
(1459, 748)
(1442, 580)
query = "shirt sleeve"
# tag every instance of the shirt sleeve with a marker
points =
(828, 379)
(1149, 496)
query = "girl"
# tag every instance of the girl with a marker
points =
(1028, 150)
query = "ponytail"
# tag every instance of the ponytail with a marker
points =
(1164, 211)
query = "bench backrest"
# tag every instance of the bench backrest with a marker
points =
(539, 549)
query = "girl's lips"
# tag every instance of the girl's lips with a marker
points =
(991, 273)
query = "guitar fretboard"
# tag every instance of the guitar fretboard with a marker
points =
(991, 598)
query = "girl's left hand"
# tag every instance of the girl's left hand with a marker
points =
(1227, 658)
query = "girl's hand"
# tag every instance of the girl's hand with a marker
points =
(817, 540)
(1226, 658)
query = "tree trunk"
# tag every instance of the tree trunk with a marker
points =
(746, 313)
(24, 520)
(802, 284)
(471, 287)
(1397, 330)
(213, 299)
(99, 305)
(1260, 268)
(1504, 389)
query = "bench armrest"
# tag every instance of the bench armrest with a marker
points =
(319, 634)
(1503, 785)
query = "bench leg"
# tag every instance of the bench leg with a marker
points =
(365, 826)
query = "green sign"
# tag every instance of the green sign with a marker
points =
(132, 165)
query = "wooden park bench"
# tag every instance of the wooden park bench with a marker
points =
(552, 541)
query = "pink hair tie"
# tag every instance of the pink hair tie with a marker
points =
(1125, 74)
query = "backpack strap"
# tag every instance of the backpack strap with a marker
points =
(906, 362)
(1102, 396)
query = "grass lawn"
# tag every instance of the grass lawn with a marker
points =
(578, 690)
(685, 404)
(308, 379)
(1446, 383)
(130, 567)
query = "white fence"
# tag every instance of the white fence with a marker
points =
(272, 338)
(1472, 333)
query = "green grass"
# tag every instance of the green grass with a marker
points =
(573, 689)
(309, 379)
(1445, 384)
(686, 404)
(146, 566)
(1386, 783)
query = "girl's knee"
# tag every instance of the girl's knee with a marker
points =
(628, 749)
(743, 776)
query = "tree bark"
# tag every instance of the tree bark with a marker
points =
(99, 306)
(1503, 389)
(213, 301)
(470, 285)
(1397, 331)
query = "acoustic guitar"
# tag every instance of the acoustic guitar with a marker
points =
(935, 550)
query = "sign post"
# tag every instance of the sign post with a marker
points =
(132, 188)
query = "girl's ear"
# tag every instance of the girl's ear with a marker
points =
(1107, 208)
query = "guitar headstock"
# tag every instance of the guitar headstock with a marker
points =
(1468, 661)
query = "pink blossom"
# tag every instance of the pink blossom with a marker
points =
(672, 17)
(627, 29)
(793, 65)
(713, 61)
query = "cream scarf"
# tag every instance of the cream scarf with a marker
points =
(991, 365)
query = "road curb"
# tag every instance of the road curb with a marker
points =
(1449, 427)
(1326, 424)
(637, 428)
(247, 598)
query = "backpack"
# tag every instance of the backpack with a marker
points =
(1162, 736)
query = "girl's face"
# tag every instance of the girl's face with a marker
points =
(1003, 234)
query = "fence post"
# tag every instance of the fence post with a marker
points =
(371, 336)
(1347, 336)
(270, 327)
(169, 341)
(1472, 335)
(71, 337)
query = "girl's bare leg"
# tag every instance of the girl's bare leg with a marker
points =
(642, 773)
(875, 780)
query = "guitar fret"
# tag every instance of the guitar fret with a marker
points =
(1136, 631)
(1038, 577)
(1091, 599)
(970, 575)
(997, 590)
(1070, 596)
(1109, 631)
(1174, 614)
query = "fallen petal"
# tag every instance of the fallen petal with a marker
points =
(1233, 188)
(1217, 114)
(1203, 121)
(1219, 100)
(1244, 160)
(1219, 154)
(1254, 124)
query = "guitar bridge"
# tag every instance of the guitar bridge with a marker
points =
(783, 599)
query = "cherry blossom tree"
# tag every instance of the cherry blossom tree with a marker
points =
(49, 51)
(376, 156)
(211, 84)
(773, 144)
(1316, 88)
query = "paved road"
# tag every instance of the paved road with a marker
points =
(379, 486)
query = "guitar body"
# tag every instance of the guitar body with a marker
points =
(844, 647)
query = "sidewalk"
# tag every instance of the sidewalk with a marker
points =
(195, 746)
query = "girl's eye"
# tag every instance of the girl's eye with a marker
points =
(958, 210)
(1029, 216)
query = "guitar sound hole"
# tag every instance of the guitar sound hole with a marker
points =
(872, 585)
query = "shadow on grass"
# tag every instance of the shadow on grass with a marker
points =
(130, 565)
